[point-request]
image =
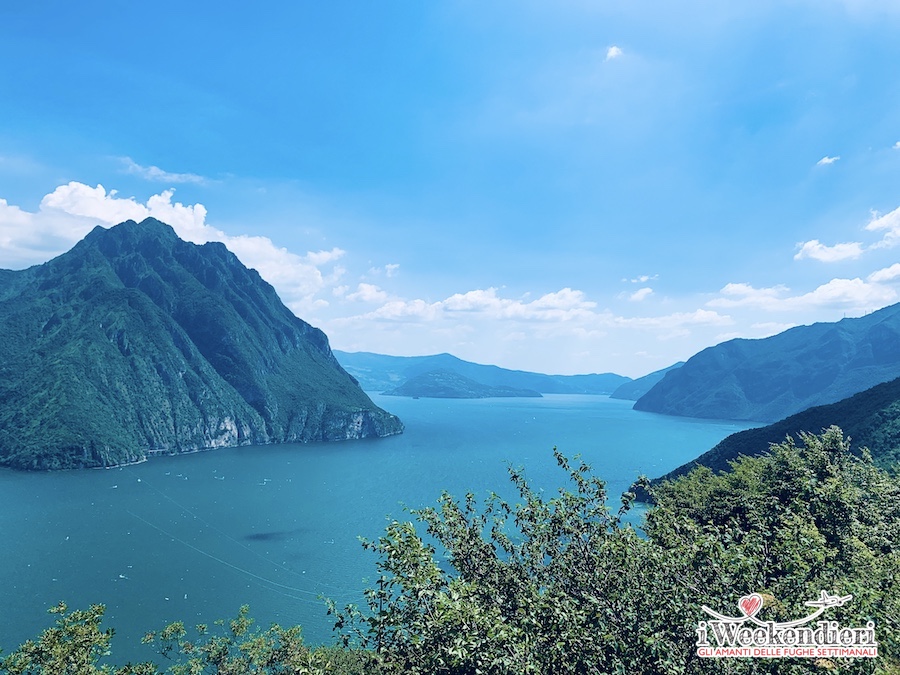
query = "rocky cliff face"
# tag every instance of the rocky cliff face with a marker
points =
(137, 341)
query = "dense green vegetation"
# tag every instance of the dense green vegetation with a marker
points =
(565, 585)
(767, 380)
(379, 372)
(444, 383)
(137, 341)
(871, 419)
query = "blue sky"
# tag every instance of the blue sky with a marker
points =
(570, 186)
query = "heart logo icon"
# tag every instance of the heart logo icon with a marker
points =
(750, 604)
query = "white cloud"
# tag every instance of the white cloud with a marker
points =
(851, 293)
(320, 258)
(154, 173)
(389, 270)
(676, 320)
(887, 274)
(78, 199)
(891, 223)
(565, 305)
(640, 294)
(368, 293)
(744, 294)
(826, 160)
(897, 145)
(643, 279)
(854, 294)
(401, 310)
(818, 251)
(613, 53)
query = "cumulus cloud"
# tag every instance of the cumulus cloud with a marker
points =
(853, 294)
(897, 145)
(560, 306)
(567, 312)
(826, 160)
(741, 294)
(890, 223)
(613, 53)
(319, 258)
(816, 250)
(154, 173)
(368, 293)
(68, 213)
(887, 274)
(676, 320)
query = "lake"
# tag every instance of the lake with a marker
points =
(194, 537)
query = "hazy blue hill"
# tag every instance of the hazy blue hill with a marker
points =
(443, 383)
(632, 391)
(870, 419)
(768, 379)
(137, 341)
(380, 372)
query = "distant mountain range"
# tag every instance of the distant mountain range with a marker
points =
(379, 372)
(136, 341)
(768, 379)
(448, 384)
(632, 391)
(870, 418)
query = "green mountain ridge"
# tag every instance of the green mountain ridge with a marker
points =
(768, 379)
(444, 383)
(632, 391)
(137, 342)
(381, 372)
(870, 419)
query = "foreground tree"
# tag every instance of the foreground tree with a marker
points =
(565, 586)
(76, 645)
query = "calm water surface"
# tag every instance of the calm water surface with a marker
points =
(193, 537)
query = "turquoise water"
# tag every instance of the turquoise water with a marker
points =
(193, 537)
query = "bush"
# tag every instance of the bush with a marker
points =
(563, 586)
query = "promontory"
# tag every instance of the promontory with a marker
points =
(138, 342)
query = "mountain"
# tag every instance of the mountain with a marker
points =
(632, 391)
(448, 384)
(870, 419)
(137, 342)
(379, 372)
(769, 379)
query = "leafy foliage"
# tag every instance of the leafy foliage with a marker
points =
(72, 647)
(76, 644)
(564, 586)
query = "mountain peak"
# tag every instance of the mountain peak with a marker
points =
(136, 341)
